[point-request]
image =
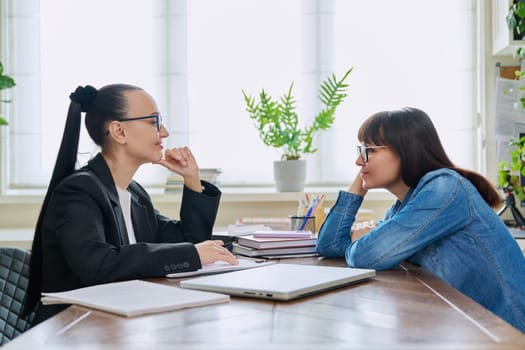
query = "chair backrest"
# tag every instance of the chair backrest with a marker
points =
(14, 273)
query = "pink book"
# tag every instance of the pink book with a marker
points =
(282, 234)
(276, 242)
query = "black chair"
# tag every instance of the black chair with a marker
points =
(14, 272)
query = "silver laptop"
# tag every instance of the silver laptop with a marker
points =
(279, 281)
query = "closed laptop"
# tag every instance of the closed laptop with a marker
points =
(280, 281)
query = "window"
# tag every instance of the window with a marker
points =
(235, 45)
(405, 55)
(196, 56)
(60, 45)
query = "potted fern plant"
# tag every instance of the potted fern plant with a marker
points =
(6, 82)
(278, 124)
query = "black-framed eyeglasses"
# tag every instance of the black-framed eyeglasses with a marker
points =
(362, 151)
(157, 117)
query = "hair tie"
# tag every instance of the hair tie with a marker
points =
(84, 96)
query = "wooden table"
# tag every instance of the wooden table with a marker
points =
(405, 308)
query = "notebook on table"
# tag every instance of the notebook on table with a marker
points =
(133, 298)
(280, 281)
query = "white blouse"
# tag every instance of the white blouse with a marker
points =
(125, 203)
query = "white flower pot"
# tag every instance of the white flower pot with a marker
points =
(289, 175)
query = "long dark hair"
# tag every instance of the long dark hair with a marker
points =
(412, 135)
(101, 106)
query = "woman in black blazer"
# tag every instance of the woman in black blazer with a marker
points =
(96, 224)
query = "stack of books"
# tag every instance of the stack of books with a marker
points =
(175, 182)
(276, 244)
(210, 175)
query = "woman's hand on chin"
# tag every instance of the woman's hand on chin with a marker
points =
(181, 161)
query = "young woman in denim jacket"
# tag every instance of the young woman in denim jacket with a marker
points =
(444, 218)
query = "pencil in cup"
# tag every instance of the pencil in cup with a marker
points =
(302, 223)
(319, 214)
(311, 206)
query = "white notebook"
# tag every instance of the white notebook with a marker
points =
(279, 281)
(133, 298)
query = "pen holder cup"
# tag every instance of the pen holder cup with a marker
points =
(302, 223)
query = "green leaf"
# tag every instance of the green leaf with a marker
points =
(520, 27)
(519, 10)
(6, 82)
(511, 20)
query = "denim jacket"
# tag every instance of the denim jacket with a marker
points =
(445, 226)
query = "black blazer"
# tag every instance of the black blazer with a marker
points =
(85, 241)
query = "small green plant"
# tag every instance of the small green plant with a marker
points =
(519, 75)
(278, 122)
(516, 19)
(6, 82)
(509, 172)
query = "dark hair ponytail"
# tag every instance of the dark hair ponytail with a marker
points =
(101, 106)
(487, 190)
(81, 99)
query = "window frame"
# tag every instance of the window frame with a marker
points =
(170, 14)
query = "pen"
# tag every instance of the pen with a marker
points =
(306, 217)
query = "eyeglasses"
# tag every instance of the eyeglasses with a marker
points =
(157, 117)
(362, 151)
